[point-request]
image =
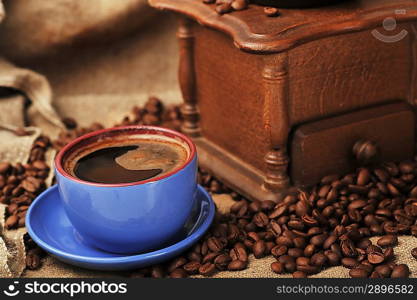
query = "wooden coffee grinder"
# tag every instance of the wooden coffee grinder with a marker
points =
(277, 103)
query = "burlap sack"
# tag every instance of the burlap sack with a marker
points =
(102, 83)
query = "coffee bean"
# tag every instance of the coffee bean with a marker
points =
(309, 250)
(237, 265)
(329, 241)
(157, 272)
(277, 267)
(384, 270)
(178, 273)
(176, 264)
(302, 261)
(363, 177)
(279, 211)
(358, 273)
(279, 250)
(318, 240)
(261, 220)
(389, 253)
(221, 262)
(299, 274)
(349, 263)
(414, 253)
(348, 249)
(238, 253)
(192, 267)
(375, 258)
(214, 244)
(11, 222)
(207, 269)
(333, 258)
(318, 260)
(259, 249)
(308, 269)
(400, 271)
(4, 167)
(284, 241)
(239, 4)
(388, 240)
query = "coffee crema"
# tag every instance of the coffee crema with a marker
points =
(117, 161)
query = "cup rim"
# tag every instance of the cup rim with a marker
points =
(152, 129)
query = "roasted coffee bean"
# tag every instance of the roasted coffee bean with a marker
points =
(237, 265)
(192, 267)
(238, 253)
(348, 249)
(284, 241)
(214, 244)
(388, 240)
(261, 219)
(210, 257)
(207, 269)
(176, 264)
(414, 253)
(4, 167)
(308, 269)
(299, 274)
(358, 273)
(221, 262)
(400, 271)
(279, 250)
(384, 270)
(295, 252)
(329, 241)
(375, 258)
(157, 272)
(194, 256)
(302, 261)
(278, 211)
(318, 240)
(366, 266)
(364, 243)
(349, 263)
(333, 258)
(277, 267)
(389, 253)
(309, 250)
(318, 260)
(373, 248)
(11, 222)
(178, 273)
(259, 249)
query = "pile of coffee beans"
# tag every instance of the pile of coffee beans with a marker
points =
(329, 225)
(21, 183)
(227, 6)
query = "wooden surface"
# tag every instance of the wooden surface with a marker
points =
(252, 31)
(325, 147)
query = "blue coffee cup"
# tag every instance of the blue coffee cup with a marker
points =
(129, 217)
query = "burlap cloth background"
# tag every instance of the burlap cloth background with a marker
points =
(99, 58)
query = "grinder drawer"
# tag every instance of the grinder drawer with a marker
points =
(334, 145)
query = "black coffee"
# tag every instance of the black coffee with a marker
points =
(128, 161)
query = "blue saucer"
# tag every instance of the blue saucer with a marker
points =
(50, 228)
